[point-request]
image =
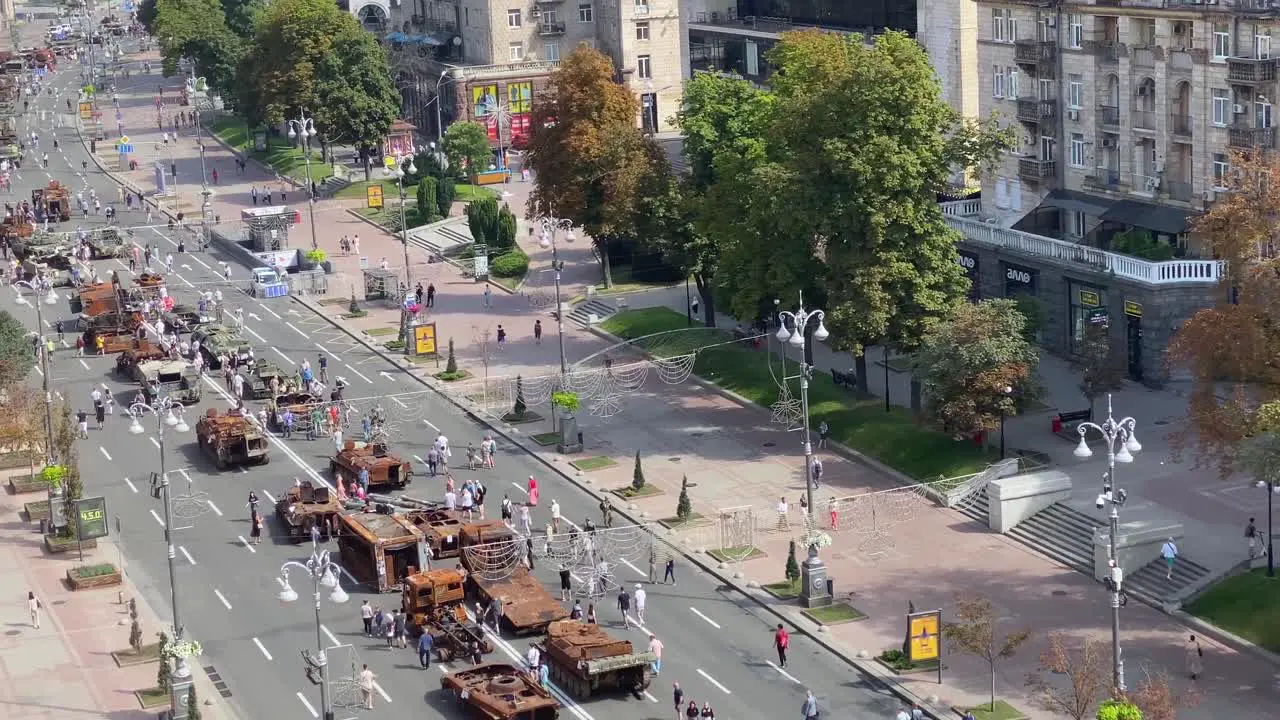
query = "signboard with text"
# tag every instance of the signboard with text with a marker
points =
(86, 110)
(924, 630)
(373, 196)
(91, 518)
(424, 339)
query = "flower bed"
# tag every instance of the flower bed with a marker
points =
(38, 510)
(87, 577)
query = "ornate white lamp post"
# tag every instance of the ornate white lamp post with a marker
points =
(324, 574)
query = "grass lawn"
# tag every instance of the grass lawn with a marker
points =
(1247, 605)
(1002, 711)
(510, 283)
(599, 462)
(835, 614)
(468, 192)
(630, 493)
(861, 423)
(785, 590)
(151, 697)
(545, 439)
(378, 331)
(675, 523)
(280, 153)
(128, 658)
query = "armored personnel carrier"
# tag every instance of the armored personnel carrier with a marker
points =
(219, 340)
(384, 468)
(231, 440)
(109, 242)
(585, 659)
(176, 379)
(258, 386)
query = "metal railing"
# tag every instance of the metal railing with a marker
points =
(1034, 169)
(1247, 137)
(1109, 115)
(1034, 51)
(1251, 70)
(1035, 110)
(1104, 179)
(551, 28)
(1144, 119)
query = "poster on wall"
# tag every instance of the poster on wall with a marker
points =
(520, 102)
(484, 108)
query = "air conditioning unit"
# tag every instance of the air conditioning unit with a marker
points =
(1109, 141)
(1073, 114)
(1237, 109)
(1210, 196)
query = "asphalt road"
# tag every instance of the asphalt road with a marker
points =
(718, 644)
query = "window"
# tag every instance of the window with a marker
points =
(1220, 170)
(642, 7)
(1075, 34)
(1002, 193)
(513, 18)
(1045, 89)
(1011, 73)
(551, 52)
(1075, 225)
(515, 52)
(1084, 301)
(1221, 107)
(1075, 92)
(1077, 150)
(1013, 27)
(1221, 41)
(1044, 30)
(642, 30)
(999, 25)
(1262, 113)
(1262, 45)
(643, 69)
(997, 81)
(549, 18)
(585, 14)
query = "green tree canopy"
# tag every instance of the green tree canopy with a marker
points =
(16, 356)
(197, 30)
(358, 101)
(466, 145)
(722, 115)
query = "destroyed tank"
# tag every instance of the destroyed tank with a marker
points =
(384, 468)
(585, 660)
(174, 379)
(106, 243)
(231, 439)
(219, 340)
(502, 692)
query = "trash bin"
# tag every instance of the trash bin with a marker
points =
(831, 587)
(579, 437)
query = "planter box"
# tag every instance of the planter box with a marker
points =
(26, 484)
(128, 658)
(57, 546)
(920, 668)
(97, 581)
(38, 510)
(20, 458)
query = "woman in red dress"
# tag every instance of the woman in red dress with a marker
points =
(533, 491)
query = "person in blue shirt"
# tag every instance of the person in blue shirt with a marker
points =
(366, 426)
(424, 649)
(287, 421)
(364, 479)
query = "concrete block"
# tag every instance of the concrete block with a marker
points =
(1016, 498)
(1137, 543)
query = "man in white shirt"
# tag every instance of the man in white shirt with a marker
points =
(450, 500)
(555, 515)
(1169, 552)
(533, 658)
(640, 596)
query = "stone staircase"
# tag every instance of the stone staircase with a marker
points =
(1066, 535)
(331, 186)
(582, 312)
(442, 237)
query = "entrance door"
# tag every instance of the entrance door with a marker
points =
(649, 113)
(1133, 333)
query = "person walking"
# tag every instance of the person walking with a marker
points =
(1169, 552)
(533, 492)
(565, 585)
(33, 609)
(823, 431)
(641, 595)
(424, 650)
(624, 606)
(255, 532)
(431, 294)
(402, 637)
(555, 516)
(655, 647)
(366, 616)
(1251, 536)
(707, 712)
(1195, 657)
(781, 641)
(809, 709)
(815, 472)
(677, 694)
(833, 509)
(389, 632)
(366, 686)
(691, 711)
(537, 332)
(488, 296)
(669, 573)
(433, 461)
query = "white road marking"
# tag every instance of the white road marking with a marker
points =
(362, 377)
(415, 457)
(183, 473)
(213, 507)
(246, 544)
(332, 638)
(129, 482)
(258, 642)
(188, 282)
(633, 567)
(104, 453)
(255, 316)
(784, 673)
(154, 441)
(650, 696)
(350, 577)
(430, 424)
(242, 470)
(156, 515)
(273, 312)
(39, 371)
(269, 496)
(225, 604)
(381, 692)
(520, 487)
(85, 364)
(295, 329)
(310, 709)
(711, 622)
(397, 401)
(193, 257)
(286, 357)
(709, 679)
(251, 332)
(187, 555)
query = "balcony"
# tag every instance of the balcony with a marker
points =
(1144, 57)
(1034, 110)
(1109, 115)
(1168, 272)
(1035, 52)
(1180, 191)
(1144, 119)
(1251, 71)
(547, 29)
(1256, 6)
(1037, 171)
(1104, 179)
(1247, 137)
(547, 3)
(1181, 125)
(1108, 52)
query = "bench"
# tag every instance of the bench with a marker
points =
(846, 380)
(1076, 416)
(1064, 423)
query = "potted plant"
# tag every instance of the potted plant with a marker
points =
(85, 577)
(567, 403)
(312, 258)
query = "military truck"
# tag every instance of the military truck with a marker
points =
(306, 506)
(231, 439)
(384, 468)
(219, 340)
(585, 659)
(527, 607)
(500, 691)
(176, 379)
(435, 602)
(258, 383)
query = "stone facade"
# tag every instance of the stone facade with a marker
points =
(948, 31)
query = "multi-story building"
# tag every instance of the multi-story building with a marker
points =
(1126, 113)
(486, 60)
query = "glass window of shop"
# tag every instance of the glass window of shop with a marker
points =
(969, 263)
(1084, 301)
(1019, 280)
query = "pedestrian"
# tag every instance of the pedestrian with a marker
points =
(576, 612)
(431, 287)
(390, 630)
(641, 595)
(903, 714)
(424, 650)
(810, 707)
(255, 531)
(502, 334)
(781, 641)
(526, 523)
(315, 534)
(624, 606)
(477, 653)
(537, 332)
(1195, 658)
(677, 694)
(337, 438)
(366, 616)
(1169, 552)
(82, 421)
(33, 609)
(691, 712)
(433, 461)
(533, 492)
(366, 686)
(544, 676)
(533, 658)
(653, 564)
(707, 712)
(555, 515)
(402, 631)
(670, 572)
(1251, 536)
(378, 619)
(109, 400)
(565, 586)
(815, 472)
(488, 297)
(917, 713)
(60, 334)
(655, 647)
(528, 551)
(100, 411)
(823, 430)
(489, 449)
(606, 512)
(591, 614)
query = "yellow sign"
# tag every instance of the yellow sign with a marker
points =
(389, 162)
(1089, 298)
(484, 100)
(373, 196)
(1132, 308)
(124, 140)
(424, 339)
(923, 630)
(520, 97)
(86, 110)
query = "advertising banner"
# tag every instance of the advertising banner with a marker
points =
(91, 514)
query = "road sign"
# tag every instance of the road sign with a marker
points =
(91, 516)
(86, 110)
(373, 196)
(424, 339)
(124, 140)
(124, 149)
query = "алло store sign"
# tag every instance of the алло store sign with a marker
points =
(1019, 280)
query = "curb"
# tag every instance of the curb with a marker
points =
(1230, 639)
(807, 627)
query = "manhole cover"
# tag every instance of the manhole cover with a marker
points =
(674, 459)
(769, 444)
(11, 633)
(1059, 593)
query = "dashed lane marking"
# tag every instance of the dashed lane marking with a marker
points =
(357, 372)
(105, 453)
(710, 622)
(310, 709)
(156, 515)
(332, 638)
(225, 604)
(247, 546)
(129, 482)
(154, 441)
(251, 332)
(295, 329)
(213, 507)
(266, 654)
(784, 673)
(708, 678)
(269, 496)
(286, 357)
(187, 555)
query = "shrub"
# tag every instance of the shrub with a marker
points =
(793, 567)
(684, 508)
(519, 408)
(482, 220)
(316, 256)
(427, 203)
(446, 191)
(1140, 243)
(506, 235)
(566, 401)
(53, 475)
(92, 571)
(164, 674)
(451, 365)
(1118, 710)
(511, 264)
(637, 475)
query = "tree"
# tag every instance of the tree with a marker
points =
(466, 145)
(1229, 350)
(975, 633)
(135, 628)
(357, 99)
(684, 508)
(969, 362)
(16, 356)
(22, 419)
(482, 221)
(668, 223)
(1085, 669)
(241, 16)
(1118, 710)
(1157, 699)
(197, 30)
(164, 673)
(637, 475)
(147, 15)
(793, 567)
(446, 191)
(193, 704)
(590, 158)
(451, 365)
(519, 408)
(1100, 370)
(427, 205)
(506, 229)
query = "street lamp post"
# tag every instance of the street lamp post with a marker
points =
(439, 115)
(813, 590)
(306, 128)
(1007, 392)
(323, 573)
(204, 182)
(51, 298)
(1117, 434)
(1272, 489)
(550, 224)
(400, 170)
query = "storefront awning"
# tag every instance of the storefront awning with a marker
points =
(1149, 216)
(1076, 201)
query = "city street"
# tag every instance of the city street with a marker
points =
(718, 643)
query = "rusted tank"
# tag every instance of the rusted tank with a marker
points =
(435, 603)
(585, 660)
(130, 359)
(379, 549)
(442, 529)
(305, 506)
(498, 691)
(527, 607)
(231, 439)
(384, 468)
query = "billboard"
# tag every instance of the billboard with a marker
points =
(924, 628)
(424, 339)
(91, 517)
(520, 102)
